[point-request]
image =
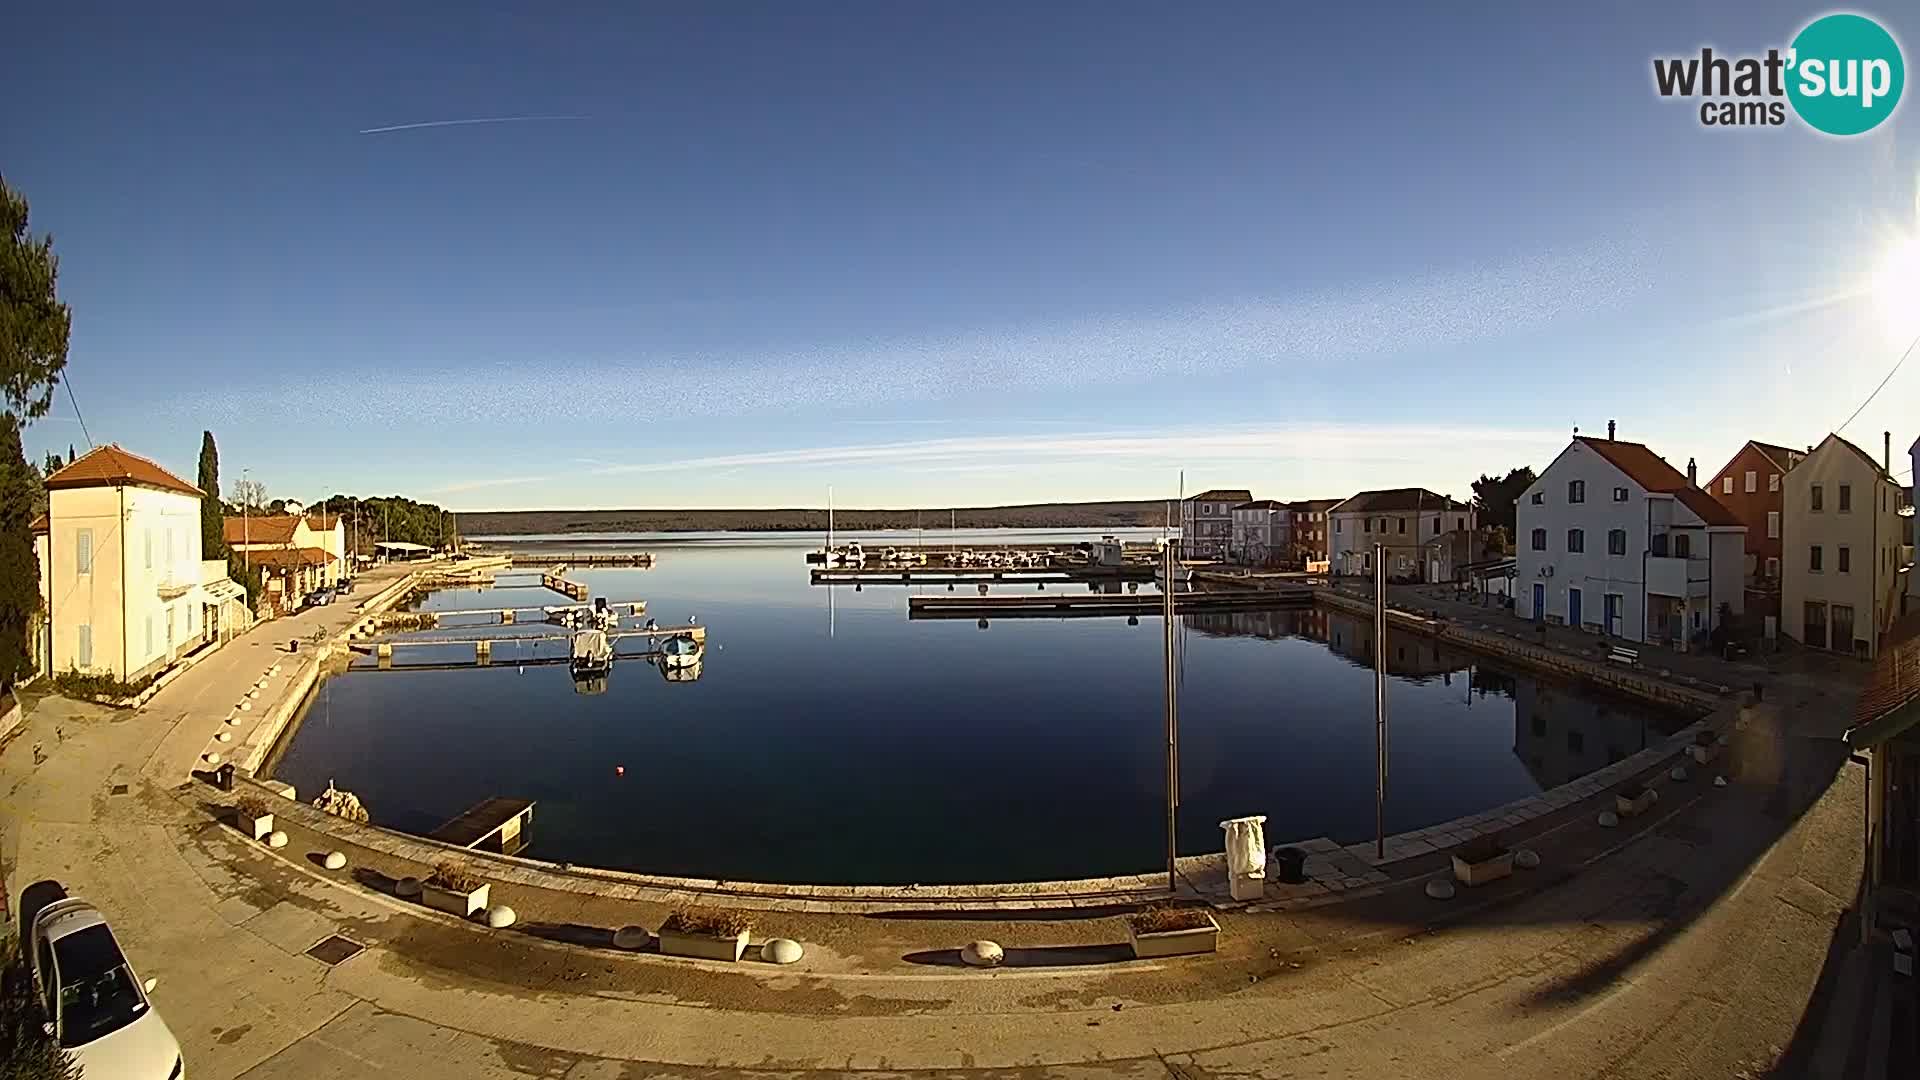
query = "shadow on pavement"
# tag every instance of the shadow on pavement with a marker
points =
(1042, 957)
(1034, 914)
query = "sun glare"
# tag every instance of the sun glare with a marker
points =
(1896, 288)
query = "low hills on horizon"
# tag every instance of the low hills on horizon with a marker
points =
(1126, 514)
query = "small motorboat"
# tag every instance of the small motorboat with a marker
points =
(590, 654)
(687, 673)
(681, 651)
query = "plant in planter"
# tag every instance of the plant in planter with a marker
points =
(1706, 746)
(705, 933)
(254, 815)
(1481, 860)
(1172, 932)
(454, 889)
(1634, 798)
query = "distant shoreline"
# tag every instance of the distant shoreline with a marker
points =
(1134, 514)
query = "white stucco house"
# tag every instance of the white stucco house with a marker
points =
(1401, 521)
(1842, 547)
(1613, 539)
(125, 588)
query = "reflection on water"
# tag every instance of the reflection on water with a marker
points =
(826, 738)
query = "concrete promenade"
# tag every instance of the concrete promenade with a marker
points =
(1688, 944)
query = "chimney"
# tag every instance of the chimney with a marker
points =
(1609, 431)
(1886, 452)
(1693, 473)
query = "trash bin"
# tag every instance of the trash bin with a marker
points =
(223, 777)
(1246, 856)
(294, 645)
(1290, 865)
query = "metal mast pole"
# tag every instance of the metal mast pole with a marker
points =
(1380, 701)
(1173, 764)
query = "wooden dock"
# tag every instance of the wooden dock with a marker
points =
(556, 580)
(581, 558)
(383, 651)
(498, 824)
(950, 575)
(1064, 605)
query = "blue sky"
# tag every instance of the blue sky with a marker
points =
(941, 254)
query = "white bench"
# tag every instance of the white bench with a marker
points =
(1620, 654)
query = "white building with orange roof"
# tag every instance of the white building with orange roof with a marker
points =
(125, 588)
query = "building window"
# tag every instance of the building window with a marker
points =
(1773, 524)
(1576, 742)
(1752, 481)
(1539, 539)
(1206, 509)
(83, 557)
(1576, 540)
(1846, 559)
(1814, 624)
(1436, 526)
(1726, 484)
(1619, 494)
(1682, 545)
(1576, 491)
(1616, 541)
(1773, 481)
(146, 547)
(1773, 568)
(1819, 496)
(1539, 498)
(83, 646)
(1336, 524)
(1814, 558)
(1403, 526)
(1846, 498)
(149, 651)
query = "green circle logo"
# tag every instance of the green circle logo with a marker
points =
(1845, 74)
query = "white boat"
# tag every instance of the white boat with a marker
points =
(590, 653)
(680, 651)
(1182, 574)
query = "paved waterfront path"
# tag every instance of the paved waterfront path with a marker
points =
(1692, 951)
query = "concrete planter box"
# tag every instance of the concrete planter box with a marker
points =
(1200, 939)
(703, 946)
(1706, 747)
(1479, 873)
(1632, 804)
(463, 904)
(256, 827)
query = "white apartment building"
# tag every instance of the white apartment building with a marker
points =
(1842, 546)
(1613, 539)
(1206, 522)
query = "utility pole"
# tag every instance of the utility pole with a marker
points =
(1173, 729)
(1380, 701)
(246, 522)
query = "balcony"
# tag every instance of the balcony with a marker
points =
(172, 588)
(1670, 575)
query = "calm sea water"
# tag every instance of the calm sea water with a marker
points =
(830, 739)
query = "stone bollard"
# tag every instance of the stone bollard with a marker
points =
(1246, 856)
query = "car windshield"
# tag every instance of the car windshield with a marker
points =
(97, 991)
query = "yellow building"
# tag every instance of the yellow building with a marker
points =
(121, 573)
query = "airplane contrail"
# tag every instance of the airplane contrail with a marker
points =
(456, 123)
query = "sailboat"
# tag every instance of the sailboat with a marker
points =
(1182, 574)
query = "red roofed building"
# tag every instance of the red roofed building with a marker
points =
(125, 589)
(296, 555)
(1617, 541)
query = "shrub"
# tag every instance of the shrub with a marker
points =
(1164, 920)
(254, 806)
(27, 1052)
(1480, 849)
(102, 688)
(454, 878)
(711, 922)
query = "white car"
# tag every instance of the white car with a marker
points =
(95, 1005)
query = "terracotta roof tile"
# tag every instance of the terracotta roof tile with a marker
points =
(1262, 504)
(1392, 499)
(1710, 510)
(288, 558)
(1895, 680)
(322, 521)
(1651, 471)
(1234, 495)
(265, 529)
(109, 465)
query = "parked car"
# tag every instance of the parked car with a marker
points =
(95, 1005)
(319, 597)
(345, 588)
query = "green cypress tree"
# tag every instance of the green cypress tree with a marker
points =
(213, 533)
(19, 566)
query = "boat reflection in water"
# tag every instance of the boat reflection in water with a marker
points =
(590, 684)
(682, 672)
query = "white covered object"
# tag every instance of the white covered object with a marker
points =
(1246, 856)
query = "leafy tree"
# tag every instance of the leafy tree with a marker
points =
(213, 535)
(34, 324)
(27, 1052)
(53, 464)
(19, 566)
(1496, 499)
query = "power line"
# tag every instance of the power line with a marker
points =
(75, 402)
(1882, 386)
